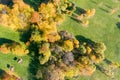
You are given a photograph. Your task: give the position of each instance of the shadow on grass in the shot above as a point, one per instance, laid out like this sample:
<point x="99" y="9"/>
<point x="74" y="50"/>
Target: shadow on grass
<point x="25" y="36"/>
<point x="79" y="10"/>
<point x="104" y="10"/>
<point x="108" y="6"/>
<point x="75" y="19"/>
<point x="77" y="13"/>
<point x="2" y="73"/>
<point x="118" y="25"/>
<point x="118" y="16"/>
<point x="93" y="2"/>
<point x="33" y="3"/>
<point x="34" y="65"/>
<point x="107" y="61"/>
<point x="3" y="40"/>
<point x="6" y="2"/>
<point x="101" y="69"/>
<point x="82" y="39"/>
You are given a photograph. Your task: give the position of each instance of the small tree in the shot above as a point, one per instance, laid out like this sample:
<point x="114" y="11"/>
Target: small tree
<point x="99" y="47"/>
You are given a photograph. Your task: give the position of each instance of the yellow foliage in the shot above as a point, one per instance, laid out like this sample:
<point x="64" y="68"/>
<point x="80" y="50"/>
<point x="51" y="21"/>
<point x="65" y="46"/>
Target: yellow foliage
<point x="68" y="45"/>
<point x="92" y="57"/>
<point x="35" y="38"/>
<point x="80" y="17"/>
<point x="53" y="38"/>
<point x="76" y="42"/>
<point x="1" y="6"/>
<point x="59" y="19"/>
<point x="17" y="17"/>
<point x="96" y="58"/>
<point x="47" y="10"/>
<point x="21" y="5"/>
<point x="89" y="13"/>
<point x="45" y="52"/>
<point x="4" y="19"/>
<point x="4" y="49"/>
<point x="14" y="48"/>
<point x="19" y="50"/>
<point x="85" y="22"/>
<point x="88" y="50"/>
<point x="46" y="55"/>
<point x="70" y="72"/>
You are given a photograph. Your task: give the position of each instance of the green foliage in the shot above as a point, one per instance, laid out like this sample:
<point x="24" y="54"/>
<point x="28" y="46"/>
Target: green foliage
<point x="63" y="57"/>
<point x="82" y="49"/>
<point x="35" y="36"/>
<point x="99" y="47"/>
<point x="45" y="53"/>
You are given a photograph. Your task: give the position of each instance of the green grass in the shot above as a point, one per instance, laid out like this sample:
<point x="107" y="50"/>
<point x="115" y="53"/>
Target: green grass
<point x="20" y="69"/>
<point x="102" y="28"/>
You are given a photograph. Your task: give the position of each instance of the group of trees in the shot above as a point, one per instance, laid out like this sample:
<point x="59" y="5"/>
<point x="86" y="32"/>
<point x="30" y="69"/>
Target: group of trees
<point x="60" y="53"/>
<point x="14" y="48"/>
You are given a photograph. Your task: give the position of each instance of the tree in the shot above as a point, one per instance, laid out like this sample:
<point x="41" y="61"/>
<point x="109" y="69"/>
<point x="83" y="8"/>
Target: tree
<point x="99" y="47"/>
<point x="45" y="53"/>
<point x="68" y="58"/>
<point x="68" y="45"/>
<point x="82" y="49"/>
<point x="36" y="36"/>
<point x="14" y="48"/>
<point x="53" y="73"/>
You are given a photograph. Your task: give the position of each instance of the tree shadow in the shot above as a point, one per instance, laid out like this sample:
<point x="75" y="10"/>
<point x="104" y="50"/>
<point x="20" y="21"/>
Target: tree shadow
<point x="93" y="2"/>
<point x="118" y="25"/>
<point x="2" y="73"/>
<point x="118" y="16"/>
<point x="82" y="39"/>
<point x="104" y="10"/>
<point x="35" y="3"/>
<point x="101" y="69"/>
<point x="75" y="19"/>
<point x="107" y="61"/>
<point x="24" y="36"/>
<point x="108" y="6"/>
<point x="3" y="40"/>
<point x="6" y="2"/>
<point x="34" y="65"/>
<point x="79" y="10"/>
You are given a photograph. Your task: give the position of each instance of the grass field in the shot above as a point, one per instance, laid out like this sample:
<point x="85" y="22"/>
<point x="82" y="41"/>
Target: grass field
<point x="103" y="27"/>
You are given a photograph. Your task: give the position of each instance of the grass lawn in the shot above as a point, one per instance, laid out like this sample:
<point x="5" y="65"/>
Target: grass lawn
<point x="103" y="27"/>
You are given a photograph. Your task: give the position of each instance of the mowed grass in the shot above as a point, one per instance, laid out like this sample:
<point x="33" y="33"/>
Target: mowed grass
<point x="21" y="69"/>
<point x="102" y="28"/>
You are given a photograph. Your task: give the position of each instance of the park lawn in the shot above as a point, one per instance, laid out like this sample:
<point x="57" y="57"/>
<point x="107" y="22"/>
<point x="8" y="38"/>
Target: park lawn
<point x="102" y="28"/>
<point x="21" y="69"/>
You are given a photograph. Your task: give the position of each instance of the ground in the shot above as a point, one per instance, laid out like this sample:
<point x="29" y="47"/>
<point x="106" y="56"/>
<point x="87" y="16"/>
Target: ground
<point x="103" y="27"/>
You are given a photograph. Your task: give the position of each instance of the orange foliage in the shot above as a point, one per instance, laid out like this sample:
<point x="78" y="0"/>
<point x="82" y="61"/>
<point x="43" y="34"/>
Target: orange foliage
<point x="88" y="50"/>
<point x="35" y="17"/>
